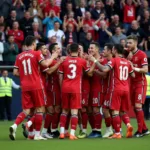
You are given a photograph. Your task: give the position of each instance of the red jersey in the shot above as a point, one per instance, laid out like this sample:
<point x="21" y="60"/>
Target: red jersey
<point x="18" y="36"/>
<point x="28" y="64"/>
<point x="48" y="8"/>
<point x="72" y="69"/>
<point x="96" y="80"/>
<point x="139" y="59"/>
<point x="53" y="80"/>
<point x="43" y="75"/>
<point x="129" y="13"/>
<point x="85" y="84"/>
<point x="120" y="74"/>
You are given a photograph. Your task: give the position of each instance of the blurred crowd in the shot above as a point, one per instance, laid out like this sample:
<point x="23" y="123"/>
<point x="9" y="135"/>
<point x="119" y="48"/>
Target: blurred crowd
<point x="67" y="21"/>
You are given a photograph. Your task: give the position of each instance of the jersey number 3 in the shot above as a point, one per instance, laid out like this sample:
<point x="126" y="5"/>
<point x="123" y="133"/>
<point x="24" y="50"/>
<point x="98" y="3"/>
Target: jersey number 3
<point x="27" y="66"/>
<point x="73" y="68"/>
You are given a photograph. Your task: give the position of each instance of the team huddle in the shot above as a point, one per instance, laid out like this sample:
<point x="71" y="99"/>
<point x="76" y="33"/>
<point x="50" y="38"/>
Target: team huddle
<point x="71" y="90"/>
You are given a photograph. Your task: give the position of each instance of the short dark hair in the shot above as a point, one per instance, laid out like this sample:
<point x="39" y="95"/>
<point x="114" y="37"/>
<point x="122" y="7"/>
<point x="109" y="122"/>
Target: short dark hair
<point x="119" y="48"/>
<point x="74" y="47"/>
<point x="39" y="46"/>
<point x="52" y="47"/>
<point x="96" y="44"/>
<point x="56" y="22"/>
<point x="109" y="46"/>
<point x="132" y="37"/>
<point x="126" y="53"/>
<point x="30" y="40"/>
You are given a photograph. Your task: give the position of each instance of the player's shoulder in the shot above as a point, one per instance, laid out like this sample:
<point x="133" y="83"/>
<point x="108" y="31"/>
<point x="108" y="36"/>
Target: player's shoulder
<point x="141" y="53"/>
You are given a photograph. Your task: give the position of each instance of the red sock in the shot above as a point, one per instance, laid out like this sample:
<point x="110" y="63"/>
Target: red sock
<point x="84" y="119"/>
<point x="55" y="120"/>
<point x="48" y="120"/>
<point x="108" y="121"/>
<point x="116" y="123"/>
<point x="38" y="121"/>
<point x="91" y="120"/>
<point x="20" y="118"/>
<point x="74" y="122"/>
<point x="32" y="119"/>
<point x="63" y="118"/>
<point x="67" y="122"/>
<point x="98" y="120"/>
<point x="125" y="118"/>
<point x="144" y="125"/>
<point x="31" y="128"/>
<point x="140" y="119"/>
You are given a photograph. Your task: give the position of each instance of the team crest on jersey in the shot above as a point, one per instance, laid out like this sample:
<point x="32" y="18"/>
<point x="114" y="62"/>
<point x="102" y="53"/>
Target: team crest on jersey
<point x="145" y="59"/>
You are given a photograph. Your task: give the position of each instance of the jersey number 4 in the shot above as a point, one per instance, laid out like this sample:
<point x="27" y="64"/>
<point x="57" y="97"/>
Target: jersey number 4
<point x="27" y="66"/>
<point x="73" y="68"/>
<point x="123" y="73"/>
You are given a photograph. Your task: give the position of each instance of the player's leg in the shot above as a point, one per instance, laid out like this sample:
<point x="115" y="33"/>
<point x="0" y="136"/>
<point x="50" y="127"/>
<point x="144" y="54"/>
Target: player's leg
<point x="48" y="121"/>
<point x="67" y="134"/>
<point x="115" y="105"/>
<point x="57" y="111"/>
<point x="139" y="100"/>
<point x="64" y="114"/>
<point x="26" y="105"/>
<point x="75" y="105"/>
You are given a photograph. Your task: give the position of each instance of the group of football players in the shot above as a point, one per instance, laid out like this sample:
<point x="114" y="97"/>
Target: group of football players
<point x="71" y="90"/>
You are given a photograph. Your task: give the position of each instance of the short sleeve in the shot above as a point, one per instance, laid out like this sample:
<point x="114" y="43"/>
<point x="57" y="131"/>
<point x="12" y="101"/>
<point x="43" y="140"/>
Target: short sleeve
<point x="61" y="70"/>
<point x="39" y="56"/>
<point x="16" y="66"/>
<point x="144" y="60"/>
<point x="111" y="63"/>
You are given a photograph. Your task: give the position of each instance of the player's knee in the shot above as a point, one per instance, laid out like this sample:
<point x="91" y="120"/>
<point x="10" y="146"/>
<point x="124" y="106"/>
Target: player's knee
<point x="74" y="111"/>
<point x="83" y="110"/>
<point x="121" y="113"/>
<point x="105" y="112"/>
<point x="57" y="109"/>
<point x="40" y="109"/>
<point x="96" y="109"/>
<point x="90" y="111"/>
<point x="65" y="111"/>
<point x="50" y="109"/>
<point x="115" y="112"/>
<point x="137" y="105"/>
<point x="27" y="111"/>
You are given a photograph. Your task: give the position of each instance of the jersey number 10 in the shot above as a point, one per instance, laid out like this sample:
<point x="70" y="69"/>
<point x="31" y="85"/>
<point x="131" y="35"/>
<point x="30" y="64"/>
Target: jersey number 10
<point x="123" y="72"/>
<point x="27" y="66"/>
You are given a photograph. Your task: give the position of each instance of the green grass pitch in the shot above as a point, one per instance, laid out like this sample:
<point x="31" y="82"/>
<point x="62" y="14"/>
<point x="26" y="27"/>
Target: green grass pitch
<point x="83" y="144"/>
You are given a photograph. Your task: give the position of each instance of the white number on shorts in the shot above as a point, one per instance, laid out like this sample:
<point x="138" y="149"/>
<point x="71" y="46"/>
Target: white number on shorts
<point x="27" y="66"/>
<point x="95" y="100"/>
<point x="139" y="96"/>
<point x="123" y="72"/>
<point x="73" y="71"/>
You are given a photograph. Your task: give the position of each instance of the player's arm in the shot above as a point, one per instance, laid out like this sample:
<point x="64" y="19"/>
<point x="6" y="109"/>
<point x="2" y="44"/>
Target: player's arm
<point x="48" y="62"/>
<point x="91" y="70"/>
<point x="16" y="72"/>
<point x="61" y="76"/>
<point x="102" y="74"/>
<point x="144" y="69"/>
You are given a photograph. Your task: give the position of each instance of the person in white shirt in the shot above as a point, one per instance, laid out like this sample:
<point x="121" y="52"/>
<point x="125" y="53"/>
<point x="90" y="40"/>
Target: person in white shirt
<point x="1" y="48"/>
<point x="6" y="85"/>
<point x="59" y="34"/>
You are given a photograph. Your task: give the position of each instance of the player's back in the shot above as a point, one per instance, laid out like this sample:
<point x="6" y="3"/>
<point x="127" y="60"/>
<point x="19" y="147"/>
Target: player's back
<point x="28" y="64"/>
<point x="120" y="75"/>
<point x="72" y="69"/>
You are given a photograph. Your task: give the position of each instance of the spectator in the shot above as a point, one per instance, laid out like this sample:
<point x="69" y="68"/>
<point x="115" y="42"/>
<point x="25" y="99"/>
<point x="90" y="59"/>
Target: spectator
<point x="83" y="32"/>
<point x="99" y="8"/>
<point x="70" y="20"/>
<point x="123" y="42"/>
<point x="116" y="38"/>
<point x="36" y="13"/>
<point x="70" y="35"/>
<point x="147" y="43"/>
<point x="1" y="48"/>
<point x="136" y="30"/>
<point x="2" y="19"/>
<point x="145" y="21"/>
<point x="69" y="4"/>
<point x="2" y="31"/>
<point x="11" y="19"/>
<point x="18" y="34"/>
<point x="86" y="42"/>
<point x="39" y="35"/>
<point x="43" y="4"/>
<point x="82" y="9"/>
<point x="49" y="21"/>
<point x="142" y="9"/>
<point x="115" y="23"/>
<point x="68" y="9"/>
<point x="10" y="50"/>
<point x="26" y="23"/>
<point x="5" y="6"/>
<point x="53" y="7"/>
<point x="58" y="33"/>
<point x="19" y="6"/>
<point x="6" y="95"/>
<point x="129" y="9"/>
<point x="104" y="34"/>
